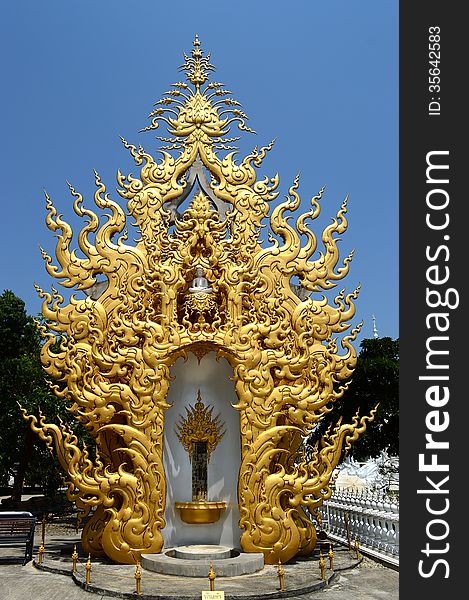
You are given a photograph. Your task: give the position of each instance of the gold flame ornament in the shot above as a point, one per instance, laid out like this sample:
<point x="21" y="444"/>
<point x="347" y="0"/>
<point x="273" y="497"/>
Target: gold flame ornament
<point x="200" y="426"/>
<point x="110" y="348"/>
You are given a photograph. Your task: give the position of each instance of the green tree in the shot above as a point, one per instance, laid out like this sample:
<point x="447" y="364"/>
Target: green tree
<point x="374" y="381"/>
<point x="22" y="381"/>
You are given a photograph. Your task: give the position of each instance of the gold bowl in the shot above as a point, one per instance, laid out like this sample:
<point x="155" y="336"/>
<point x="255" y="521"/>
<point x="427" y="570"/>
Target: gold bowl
<point x="199" y="513"/>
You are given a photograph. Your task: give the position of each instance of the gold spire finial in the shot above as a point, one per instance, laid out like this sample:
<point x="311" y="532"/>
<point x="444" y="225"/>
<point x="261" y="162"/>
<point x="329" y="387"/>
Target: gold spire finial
<point x="196" y="52"/>
<point x="200" y="426"/>
<point x="203" y="116"/>
<point x="197" y="66"/>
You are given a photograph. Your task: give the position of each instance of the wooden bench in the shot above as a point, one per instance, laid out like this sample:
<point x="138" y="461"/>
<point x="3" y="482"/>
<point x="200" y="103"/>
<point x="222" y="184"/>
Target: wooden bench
<point x="18" y="528"/>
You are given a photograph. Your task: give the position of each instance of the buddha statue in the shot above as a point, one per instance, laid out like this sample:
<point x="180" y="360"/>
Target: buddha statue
<point x="200" y="283"/>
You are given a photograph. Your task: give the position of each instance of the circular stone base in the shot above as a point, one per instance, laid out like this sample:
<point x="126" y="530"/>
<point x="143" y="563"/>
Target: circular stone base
<point x="236" y="563"/>
<point x="199" y="552"/>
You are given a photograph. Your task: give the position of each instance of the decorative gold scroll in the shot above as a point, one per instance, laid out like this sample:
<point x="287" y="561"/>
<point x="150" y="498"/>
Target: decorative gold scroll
<point x="110" y="352"/>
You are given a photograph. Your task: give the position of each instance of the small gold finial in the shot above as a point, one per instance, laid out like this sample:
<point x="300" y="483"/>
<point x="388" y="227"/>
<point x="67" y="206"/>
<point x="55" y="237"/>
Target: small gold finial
<point x="74" y="559"/>
<point x="281" y="575"/>
<point x="197" y="66"/>
<point x="211" y="577"/>
<point x="357" y="549"/>
<point x="41" y="551"/>
<point x="321" y="565"/>
<point x="196" y="52"/>
<point x="138" y="578"/>
<point x="331" y="557"/>
<point x="88" y="568"/>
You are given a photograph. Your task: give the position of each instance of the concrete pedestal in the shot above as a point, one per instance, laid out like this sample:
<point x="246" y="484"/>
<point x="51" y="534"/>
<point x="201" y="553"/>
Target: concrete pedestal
<point x="195" y="560"/>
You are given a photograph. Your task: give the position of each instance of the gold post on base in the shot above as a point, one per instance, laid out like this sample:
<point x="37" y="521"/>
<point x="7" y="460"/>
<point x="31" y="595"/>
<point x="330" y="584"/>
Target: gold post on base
<point x="138" y="578"/>
<point x="321" y="565"/>
<point x="211" y="576"/>
<point x="331" y="557"/>
<point x="88" y="568"/>
<point x="41" y="551"/>
<point x="42" y="547"/>
<point x="357" y="549"/>
<point x="281" y="576"/>
<point x="74" y="560"/>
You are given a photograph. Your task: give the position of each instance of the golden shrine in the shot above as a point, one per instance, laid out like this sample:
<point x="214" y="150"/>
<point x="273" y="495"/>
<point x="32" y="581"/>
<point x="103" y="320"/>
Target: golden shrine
<point x="197" y="281"/>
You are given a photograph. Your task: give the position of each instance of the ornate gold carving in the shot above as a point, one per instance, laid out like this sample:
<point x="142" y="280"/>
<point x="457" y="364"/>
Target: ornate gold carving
<point x="200" y="426"/>
<point x="110" y="352"/>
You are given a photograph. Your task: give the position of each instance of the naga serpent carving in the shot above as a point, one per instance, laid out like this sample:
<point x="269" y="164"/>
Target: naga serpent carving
<point x="110" y="351"/>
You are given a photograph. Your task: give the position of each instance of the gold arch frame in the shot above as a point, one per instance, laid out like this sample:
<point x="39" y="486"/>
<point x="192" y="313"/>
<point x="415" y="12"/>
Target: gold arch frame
<point x="110" y="352"/>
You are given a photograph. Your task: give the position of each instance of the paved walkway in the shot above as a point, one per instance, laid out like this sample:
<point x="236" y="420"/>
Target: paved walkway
<point x="364" y="580"/>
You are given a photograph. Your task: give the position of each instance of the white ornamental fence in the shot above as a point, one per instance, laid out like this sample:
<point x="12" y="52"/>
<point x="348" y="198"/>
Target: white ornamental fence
<point x="371" y="518"/>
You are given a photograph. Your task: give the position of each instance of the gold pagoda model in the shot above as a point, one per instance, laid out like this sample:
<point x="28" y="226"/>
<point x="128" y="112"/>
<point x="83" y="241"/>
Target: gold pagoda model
<point x="197" y="280"/>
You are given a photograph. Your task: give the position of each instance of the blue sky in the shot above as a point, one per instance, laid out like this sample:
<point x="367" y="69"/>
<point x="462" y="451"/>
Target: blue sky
<point x="320" y="77"/>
